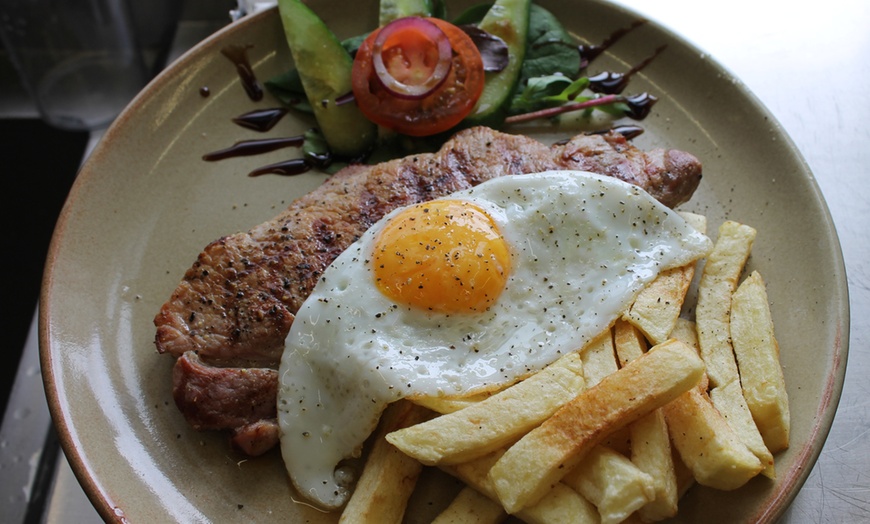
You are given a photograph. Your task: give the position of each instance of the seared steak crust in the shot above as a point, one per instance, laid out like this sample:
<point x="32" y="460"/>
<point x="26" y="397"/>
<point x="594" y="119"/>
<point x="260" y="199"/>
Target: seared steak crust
<point x="235" y="305"/>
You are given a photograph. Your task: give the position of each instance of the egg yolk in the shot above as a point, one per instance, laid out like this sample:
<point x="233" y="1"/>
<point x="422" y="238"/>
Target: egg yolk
<point x="446" y="256"/>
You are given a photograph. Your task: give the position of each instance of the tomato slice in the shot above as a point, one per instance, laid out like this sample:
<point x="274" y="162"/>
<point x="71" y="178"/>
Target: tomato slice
<point x="412" y="57"/>
<point x="411" y="98"/>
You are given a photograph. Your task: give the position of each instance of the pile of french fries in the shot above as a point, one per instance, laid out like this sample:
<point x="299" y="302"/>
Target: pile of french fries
<point x="615" y="432"/>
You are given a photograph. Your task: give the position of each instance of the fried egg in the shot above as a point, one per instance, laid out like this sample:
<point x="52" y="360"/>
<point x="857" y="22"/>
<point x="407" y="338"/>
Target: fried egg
<point x="461" y="294"/>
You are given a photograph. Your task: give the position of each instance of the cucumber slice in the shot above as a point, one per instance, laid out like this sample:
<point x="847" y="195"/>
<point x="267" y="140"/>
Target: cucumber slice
<point x="508" y="20"/>
<point x="324" y="67"/>
<point x="394" y="9"/>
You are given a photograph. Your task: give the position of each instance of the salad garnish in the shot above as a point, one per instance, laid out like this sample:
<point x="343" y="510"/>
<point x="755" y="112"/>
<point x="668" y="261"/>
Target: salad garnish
<point x="417" y="78"/>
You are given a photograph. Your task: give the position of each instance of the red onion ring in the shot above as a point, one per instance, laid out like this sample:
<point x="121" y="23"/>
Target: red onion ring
<point x="426" y="29"/>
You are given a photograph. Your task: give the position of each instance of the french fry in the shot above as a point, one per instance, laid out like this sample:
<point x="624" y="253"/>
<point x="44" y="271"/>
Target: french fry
<point x="712" y="314"/>
<point x="612" y="482"/>
<point x="559" y="504"/>
<point x="449" y="404"/>
<point x="650" y="446"/>
<point x="495" y="421"/>
<point x="698" y="222"/>
<point x="599" y="359"/>
<point x="528" y="469"/>
<point x="729" y="401"/>
<point x="707" y="444"/>
<point x="718" y="283"/>
<point x="470" y="507"/>
<point x="758" y="360"/>
<point x="651" y="453"/>
<point x="657" y="306"/>
<point x="628" y="341"/>
<point x="685" y="477"/>
<point x="684" y="331"/>
<point x="389" y="476"/>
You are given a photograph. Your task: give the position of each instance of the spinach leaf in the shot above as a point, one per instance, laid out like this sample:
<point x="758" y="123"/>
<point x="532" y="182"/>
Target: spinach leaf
<point x="550" y="49"/>
<point x="530" y="97"/>
<point x="548" y="91"/>
<point x="287" y="88"/>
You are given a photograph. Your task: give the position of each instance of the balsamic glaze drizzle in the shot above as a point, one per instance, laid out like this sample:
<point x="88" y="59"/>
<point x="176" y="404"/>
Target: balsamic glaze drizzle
<point x="261" y="120"/>
<point x="238" y="55"/>
<point x="612" y="83"/>
<point x="295" y="166"/>
<point x="589" y="52"/>
<point x="255" y="147"/>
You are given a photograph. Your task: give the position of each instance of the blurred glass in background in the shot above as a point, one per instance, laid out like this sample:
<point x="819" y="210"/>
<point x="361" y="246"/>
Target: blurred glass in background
<point x="82" y="61"/>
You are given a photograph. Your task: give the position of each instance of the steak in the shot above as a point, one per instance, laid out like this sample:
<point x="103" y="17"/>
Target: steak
<point x="228" y="317"/>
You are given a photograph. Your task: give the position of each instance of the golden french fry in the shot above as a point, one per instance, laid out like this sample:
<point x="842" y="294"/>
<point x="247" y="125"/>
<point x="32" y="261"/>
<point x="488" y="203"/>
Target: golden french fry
<point x="712" y="314"/>
<point x="698" y="222"/>
<point x="471" y="507"/>
<point x="628" y="341"/>
<point x="495" y="421"/>
<point x="651" y="453"/>
<point x="389" y="476"/>
<point x="713" y="317"/>
<point x="684" y="331"/>
<point x="449" y="404"/>
<point x="758" y="359"/>
<point x="650" y="445"/>
<point x="657" y="306"/>
<point x="612" y="482"/>
<point x="728" y="399"/>
<point x="537" y="461"/>
<point x="599" y="359"/>
<point x="685" y="477"/>
<point x="558" y="505"/>
<point x="707" y="444"/>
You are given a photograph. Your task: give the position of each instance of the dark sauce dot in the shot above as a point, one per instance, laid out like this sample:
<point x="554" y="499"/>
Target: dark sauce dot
<point x="639" y="106"/>
<point x="204" y="91"/>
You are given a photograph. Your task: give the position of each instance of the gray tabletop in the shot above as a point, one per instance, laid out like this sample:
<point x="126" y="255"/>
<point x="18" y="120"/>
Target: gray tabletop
<point x="810" y="65"/>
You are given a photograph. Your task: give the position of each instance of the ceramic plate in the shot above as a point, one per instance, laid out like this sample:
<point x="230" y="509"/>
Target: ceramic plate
<point x="145" y="204"/>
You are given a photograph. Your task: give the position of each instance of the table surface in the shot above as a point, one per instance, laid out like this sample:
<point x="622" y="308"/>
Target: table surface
<point x="810" y="67"/>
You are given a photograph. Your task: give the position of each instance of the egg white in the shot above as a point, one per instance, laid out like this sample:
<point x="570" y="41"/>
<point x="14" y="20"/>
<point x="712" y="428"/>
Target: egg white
<point x="582" y="246"/>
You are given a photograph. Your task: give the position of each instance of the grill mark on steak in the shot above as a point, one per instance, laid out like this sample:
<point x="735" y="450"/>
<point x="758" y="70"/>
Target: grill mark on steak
<point x="235" y="305"/>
